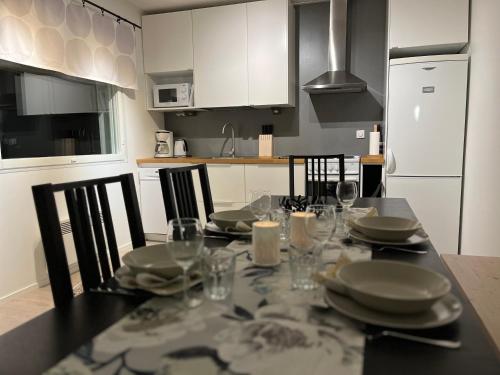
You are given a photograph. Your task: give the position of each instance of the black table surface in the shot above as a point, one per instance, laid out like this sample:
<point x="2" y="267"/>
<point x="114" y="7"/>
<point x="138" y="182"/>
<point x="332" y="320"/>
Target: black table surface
<point x="40" y="343"/>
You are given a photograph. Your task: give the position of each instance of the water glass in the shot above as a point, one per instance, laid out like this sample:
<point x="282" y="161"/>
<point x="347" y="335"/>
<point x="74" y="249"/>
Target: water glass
<point x="217" y="267"/>
<point x="304" y="263"/>
<point x="321" y="225"/>
<point x="347" y="192"/>
<point x="185" y="241"/>
<point x="282" y="216"/>
<point x="260" y="203"/>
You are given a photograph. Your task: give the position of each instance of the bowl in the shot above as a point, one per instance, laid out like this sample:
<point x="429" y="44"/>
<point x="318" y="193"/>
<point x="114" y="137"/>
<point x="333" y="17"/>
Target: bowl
<point x="156" y="259"/>
<point x="228" y="219"/>
<point x="386" y="228"/>
<point x="389" y="286"/>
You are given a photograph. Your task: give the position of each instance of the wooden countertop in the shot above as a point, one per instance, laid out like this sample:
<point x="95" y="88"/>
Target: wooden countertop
<point x="479" y="278"/>
<point x="222" y="160"/>
<point x="372" y="159"/>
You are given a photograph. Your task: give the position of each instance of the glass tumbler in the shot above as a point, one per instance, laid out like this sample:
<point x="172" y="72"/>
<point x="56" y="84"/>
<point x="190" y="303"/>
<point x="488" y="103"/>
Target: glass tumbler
<point x="217" y="267"/>
<point x="304" y="263"/>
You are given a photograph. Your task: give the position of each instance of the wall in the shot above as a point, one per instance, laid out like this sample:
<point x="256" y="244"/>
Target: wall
<point x="481" y="206"/>
<point x="318" y="124"/>
<point x="19" y="232"/>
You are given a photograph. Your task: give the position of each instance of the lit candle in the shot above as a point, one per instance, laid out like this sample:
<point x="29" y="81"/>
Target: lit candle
<point x="266" y="242"/>
<point x="298" y="234"/>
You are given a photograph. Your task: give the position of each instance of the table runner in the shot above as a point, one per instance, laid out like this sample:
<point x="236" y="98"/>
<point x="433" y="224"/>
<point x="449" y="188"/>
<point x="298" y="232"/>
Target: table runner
<point x="267" y="328"/>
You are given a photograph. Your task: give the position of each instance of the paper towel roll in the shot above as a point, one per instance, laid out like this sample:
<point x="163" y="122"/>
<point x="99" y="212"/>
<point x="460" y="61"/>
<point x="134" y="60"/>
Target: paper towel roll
<point x="374" y="143"/>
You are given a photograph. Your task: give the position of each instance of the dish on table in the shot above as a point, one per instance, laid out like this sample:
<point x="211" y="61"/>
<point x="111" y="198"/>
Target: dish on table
<point x="212" y="227"/>
<point x="416" y="239"/>
<point x="386" y="228"/>
<point x="156" y="260"/>
<point x="389" y="286"/>
<point x="235" y="220"/>
<point x="444" y="311"/>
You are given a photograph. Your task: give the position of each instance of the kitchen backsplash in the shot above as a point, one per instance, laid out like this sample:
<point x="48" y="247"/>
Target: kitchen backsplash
<point x="319" y="123"/>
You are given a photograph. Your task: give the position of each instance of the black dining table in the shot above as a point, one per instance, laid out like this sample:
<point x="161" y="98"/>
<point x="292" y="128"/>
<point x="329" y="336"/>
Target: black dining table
<point x="43" y="341"/>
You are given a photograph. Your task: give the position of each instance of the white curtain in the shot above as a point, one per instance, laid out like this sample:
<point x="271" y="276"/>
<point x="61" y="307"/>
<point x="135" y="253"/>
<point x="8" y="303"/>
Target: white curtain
<point x="64" y="36"/>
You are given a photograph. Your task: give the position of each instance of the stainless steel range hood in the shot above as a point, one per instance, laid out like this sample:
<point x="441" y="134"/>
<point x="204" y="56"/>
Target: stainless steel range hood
<point x="337" y="79"/>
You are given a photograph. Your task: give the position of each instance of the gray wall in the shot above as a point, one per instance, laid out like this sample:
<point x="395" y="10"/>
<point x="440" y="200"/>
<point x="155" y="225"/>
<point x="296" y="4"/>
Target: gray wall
<point x="324" y="123"/>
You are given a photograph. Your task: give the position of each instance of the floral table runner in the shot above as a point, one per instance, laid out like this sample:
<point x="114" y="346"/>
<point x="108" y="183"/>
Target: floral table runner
<point x="267" y="328"/>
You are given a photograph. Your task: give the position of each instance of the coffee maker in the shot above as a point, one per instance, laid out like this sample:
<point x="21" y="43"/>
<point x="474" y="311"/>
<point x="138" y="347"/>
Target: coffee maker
<point x="164" y="144"/>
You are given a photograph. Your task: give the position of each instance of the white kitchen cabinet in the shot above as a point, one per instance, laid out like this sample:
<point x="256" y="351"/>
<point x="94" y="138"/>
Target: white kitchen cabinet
<point x="271" y="53"/>
<point x="427" y="26"/>
<point x="168" y="42"/>
<point x="44" y="95"/>
<point x="220" y="56"/>
<point x="273" y="177"/>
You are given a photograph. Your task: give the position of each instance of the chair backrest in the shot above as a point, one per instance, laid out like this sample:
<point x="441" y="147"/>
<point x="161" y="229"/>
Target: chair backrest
<point x="315" y="173"/>
<point x="86" y="202"/>
<point x="179" y="196"/>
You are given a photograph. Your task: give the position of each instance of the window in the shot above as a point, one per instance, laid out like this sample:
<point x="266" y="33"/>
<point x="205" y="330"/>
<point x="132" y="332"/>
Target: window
<point x="48" y="119"/>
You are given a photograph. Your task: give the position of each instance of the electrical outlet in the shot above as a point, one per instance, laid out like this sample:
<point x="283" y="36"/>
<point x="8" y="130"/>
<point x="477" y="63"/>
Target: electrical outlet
<point x="360" y="134"/>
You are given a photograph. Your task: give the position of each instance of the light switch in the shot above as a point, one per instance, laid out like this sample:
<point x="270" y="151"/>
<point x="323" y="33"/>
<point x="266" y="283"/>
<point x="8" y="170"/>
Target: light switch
<point x="360" y="134"/>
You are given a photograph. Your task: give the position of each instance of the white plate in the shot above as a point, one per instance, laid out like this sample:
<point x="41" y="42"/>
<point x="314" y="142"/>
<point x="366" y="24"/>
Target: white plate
<point x="416" y="239"/>
<point x="214" y="228"/>
<point x="446" y="310"/>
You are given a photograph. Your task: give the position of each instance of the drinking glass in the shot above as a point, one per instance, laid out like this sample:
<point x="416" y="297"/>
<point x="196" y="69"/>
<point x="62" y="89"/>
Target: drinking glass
<point x="260" y="203"/>
<point x="347" y="192"/>
<point x="217" y="267"/>
<point x="321" y="225"/>
<point x="185" y="241"/>
<point x="282" y="216"/>
<point x="304" y="263"/>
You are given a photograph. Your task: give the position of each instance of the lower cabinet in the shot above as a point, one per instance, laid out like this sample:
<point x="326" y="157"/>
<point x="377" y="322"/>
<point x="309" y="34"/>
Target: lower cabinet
<point x="230" y="185"/>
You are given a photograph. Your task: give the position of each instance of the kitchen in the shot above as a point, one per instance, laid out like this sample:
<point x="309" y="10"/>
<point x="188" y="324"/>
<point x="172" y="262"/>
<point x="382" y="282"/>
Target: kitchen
<point x="227" y="85"/>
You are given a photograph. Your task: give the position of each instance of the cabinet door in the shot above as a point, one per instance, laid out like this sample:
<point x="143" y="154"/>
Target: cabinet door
<point x="273" y="178"/>
<point x="152" y="209"/>
<point x="271" y="60"/>
<point x="220" y="56"/>
<point x="168" y="42"/>
<point x="439" y="23"/>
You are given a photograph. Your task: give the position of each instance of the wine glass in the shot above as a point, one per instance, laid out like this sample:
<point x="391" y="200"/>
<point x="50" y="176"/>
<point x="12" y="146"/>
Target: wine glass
<point x="185" y="241"/>
<point x="260" y="203"/>
<point x="347" y="192"/>
<point x="320" y="225"/>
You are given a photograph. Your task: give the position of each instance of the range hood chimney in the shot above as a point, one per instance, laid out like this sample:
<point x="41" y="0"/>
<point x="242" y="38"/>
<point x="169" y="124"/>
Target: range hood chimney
<point x="336" y="79"/>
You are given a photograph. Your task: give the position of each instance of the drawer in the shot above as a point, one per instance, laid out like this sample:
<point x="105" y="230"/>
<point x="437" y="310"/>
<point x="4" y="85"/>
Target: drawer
<point x="274" y="178"/>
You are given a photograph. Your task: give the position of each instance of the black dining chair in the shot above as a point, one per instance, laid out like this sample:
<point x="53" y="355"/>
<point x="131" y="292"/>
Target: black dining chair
<point x="89" y="211"/>
<point x="315" y="173"/>
<point x="178" y="192"/>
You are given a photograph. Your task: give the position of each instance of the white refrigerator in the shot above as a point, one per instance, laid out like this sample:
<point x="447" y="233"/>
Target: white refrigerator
<point x="425" y="141"/>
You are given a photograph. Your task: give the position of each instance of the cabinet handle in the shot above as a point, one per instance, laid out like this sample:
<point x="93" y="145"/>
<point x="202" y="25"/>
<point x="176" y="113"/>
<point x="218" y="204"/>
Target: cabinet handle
<point x="429" y="68"/>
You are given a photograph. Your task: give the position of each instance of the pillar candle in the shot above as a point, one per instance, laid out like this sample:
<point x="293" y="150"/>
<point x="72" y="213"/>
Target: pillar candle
<point x="266" y="242"/>
<point x="298" y="235"/>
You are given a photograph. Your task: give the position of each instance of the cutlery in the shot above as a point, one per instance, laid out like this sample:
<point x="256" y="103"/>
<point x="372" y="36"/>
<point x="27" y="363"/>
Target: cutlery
<point x="414" y="251"/>
<point x="219" y="237"/>
<point x="117" y="291"/>
<point x="449" y="344"/>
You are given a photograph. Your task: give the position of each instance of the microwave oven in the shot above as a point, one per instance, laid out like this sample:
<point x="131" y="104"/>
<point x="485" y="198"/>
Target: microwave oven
<point x="173" y="95"/>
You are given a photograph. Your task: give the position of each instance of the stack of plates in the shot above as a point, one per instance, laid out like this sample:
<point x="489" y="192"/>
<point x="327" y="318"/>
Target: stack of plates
<point x="393" y="294"/>
<point x="233" y="222"/>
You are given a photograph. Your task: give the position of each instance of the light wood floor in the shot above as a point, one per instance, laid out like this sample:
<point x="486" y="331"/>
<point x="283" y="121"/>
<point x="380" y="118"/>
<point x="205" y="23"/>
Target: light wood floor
<point x="24" y="306"/>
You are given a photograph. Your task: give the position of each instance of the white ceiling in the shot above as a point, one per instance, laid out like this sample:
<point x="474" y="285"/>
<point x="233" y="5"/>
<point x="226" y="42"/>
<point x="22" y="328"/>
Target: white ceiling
<point x="155" y="6"/>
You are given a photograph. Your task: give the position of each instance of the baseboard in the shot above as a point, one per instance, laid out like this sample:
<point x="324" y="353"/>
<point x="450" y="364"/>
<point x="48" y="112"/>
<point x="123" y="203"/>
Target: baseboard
<point x="22" y="290"/>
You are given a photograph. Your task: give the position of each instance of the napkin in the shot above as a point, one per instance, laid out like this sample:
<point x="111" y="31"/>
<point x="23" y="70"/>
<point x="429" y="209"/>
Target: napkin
<point x="240" y="226"/>
<point x="357" y="213"/>
<point x="127" y="279"/>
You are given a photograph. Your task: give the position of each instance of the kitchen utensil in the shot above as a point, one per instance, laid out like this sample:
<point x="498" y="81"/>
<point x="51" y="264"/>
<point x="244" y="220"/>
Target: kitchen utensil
<point x="416" y="239"/>
<point x="444" y="311"/>
<point x="388" y="286"/>
<point x="386" y="228"/>
<point x="449" y="344"/>
<point x="180" y="147"/>
<point x="157" y="260"/>
<point x="406" y="250"/>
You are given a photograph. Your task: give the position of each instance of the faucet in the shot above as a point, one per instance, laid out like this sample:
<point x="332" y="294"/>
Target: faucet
<point x="231" y="153"/>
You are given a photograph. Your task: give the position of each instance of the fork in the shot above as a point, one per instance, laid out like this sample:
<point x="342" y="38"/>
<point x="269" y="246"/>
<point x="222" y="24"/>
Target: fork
<point x="449" y="344"/>
<point x="413" y="251"/>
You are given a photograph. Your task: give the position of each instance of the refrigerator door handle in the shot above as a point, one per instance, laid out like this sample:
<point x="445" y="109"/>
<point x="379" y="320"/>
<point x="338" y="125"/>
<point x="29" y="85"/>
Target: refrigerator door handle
<point x="391" y="162"/>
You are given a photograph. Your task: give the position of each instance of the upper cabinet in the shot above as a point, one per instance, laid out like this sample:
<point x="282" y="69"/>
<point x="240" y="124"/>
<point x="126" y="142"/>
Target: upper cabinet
<point x="220" y="56"/>
<point x="168" y="42"/>
<point x="427" y="26"/>
<point x="271" y="53"/>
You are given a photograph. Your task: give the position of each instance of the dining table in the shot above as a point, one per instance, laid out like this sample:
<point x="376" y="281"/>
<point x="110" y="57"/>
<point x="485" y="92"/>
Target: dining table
<point x="94" y="320"/>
